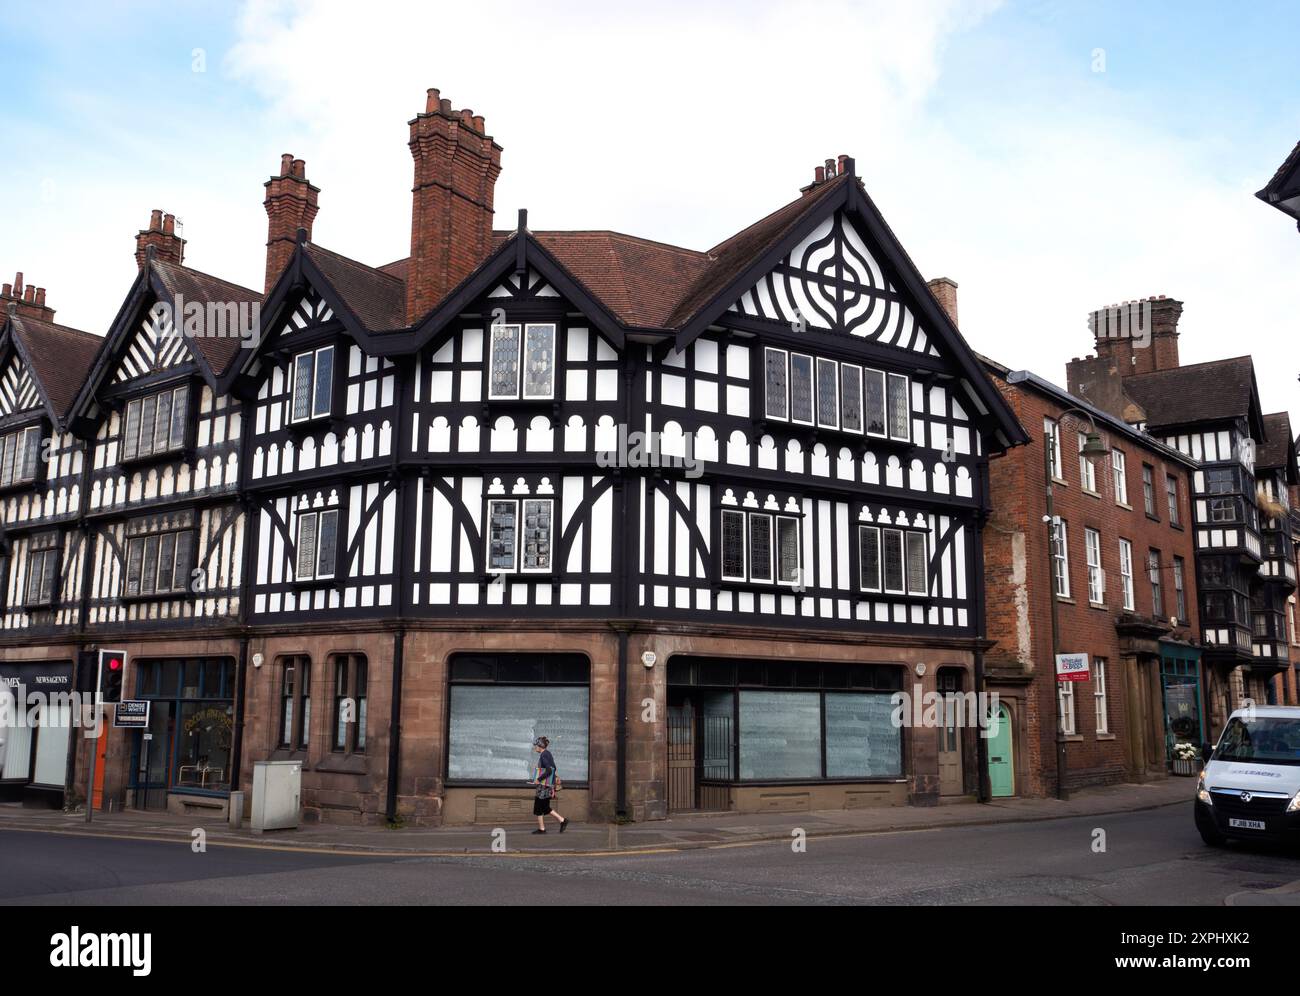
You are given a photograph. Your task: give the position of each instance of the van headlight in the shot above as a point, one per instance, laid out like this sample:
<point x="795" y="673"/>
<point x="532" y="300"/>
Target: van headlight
<point x="1294" y="805"/>
<point x="1203" y="794"/>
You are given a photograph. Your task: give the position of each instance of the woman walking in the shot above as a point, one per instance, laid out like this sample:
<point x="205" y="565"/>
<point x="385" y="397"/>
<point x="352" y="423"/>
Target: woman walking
<point x="546" y="783"/>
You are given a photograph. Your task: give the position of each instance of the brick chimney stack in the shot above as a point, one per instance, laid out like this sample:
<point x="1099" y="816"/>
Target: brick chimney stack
<point x="161" y="234"/>
<point x="944" y="290"/>
<point x="456" y="168"/>
<point x="29" y="300"/>
<point x="828" y="171"/>
<point x="1138" y="336"/>
<point x="291" y="203"/>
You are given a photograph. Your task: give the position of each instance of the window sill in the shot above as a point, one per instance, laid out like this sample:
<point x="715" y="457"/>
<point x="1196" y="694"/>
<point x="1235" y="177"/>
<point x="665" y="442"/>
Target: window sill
<point x="1107" y="736"/>
<point x="1124" y="505"/>
<point x="1101" y="606"/>
<point x="307" y="426"/>
<point x="1090" y="493"/>
<point x="311" y="584"/>
<point x="1153" y="518"/>
<point x="340" y="763"/>
<point x="159" y="596"/>
<point x="770" y="587"/>
<point x="812" y="434"/>
<point x="18" y="487"/>
<point x="1066" y="600"/>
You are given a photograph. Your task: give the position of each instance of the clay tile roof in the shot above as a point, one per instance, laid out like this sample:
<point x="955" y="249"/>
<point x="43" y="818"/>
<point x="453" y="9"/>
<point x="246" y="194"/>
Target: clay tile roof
<point x="1288" y="164"/>
<point x="1278" y="449"/>
<point x="219" y="351"/>
<point x="729" y="259"/>
<point x="1199" y="392"/>
<point x="61" y="358"/>
<point x="376" y="296"/>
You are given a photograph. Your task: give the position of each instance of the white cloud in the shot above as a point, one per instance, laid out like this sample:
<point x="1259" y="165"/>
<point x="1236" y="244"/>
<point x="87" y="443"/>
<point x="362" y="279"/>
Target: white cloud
<point x="1052" y="195"/>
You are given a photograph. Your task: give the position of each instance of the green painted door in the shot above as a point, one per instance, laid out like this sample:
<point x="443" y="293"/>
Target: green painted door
<point x="1002" y="779"/>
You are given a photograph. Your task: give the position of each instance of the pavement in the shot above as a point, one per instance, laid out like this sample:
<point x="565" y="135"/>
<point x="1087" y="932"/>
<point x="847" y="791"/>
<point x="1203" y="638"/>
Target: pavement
<point x="680" y="833"/>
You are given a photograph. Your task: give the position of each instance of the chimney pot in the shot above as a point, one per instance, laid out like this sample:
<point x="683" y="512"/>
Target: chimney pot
<point x="431" y="100"/>
<point x="169" y="224"/>
<point x="479" y="124"/>
<point x="830" y="169"/>
<point x="18" y="284"/>
<point x="29" y="294"/>
<point x="843" y="163"/>
<point x="444" y="106"/>
<point x="40" y="297"/>
<point x="155" y="220"/>
<point x="8" y="291"/>
<point x="819" y="174"/>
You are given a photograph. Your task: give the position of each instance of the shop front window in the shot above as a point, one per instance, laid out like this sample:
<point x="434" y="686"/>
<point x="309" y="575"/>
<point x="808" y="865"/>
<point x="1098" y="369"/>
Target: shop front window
<point x="191" y="727"/>
<point x="501" y="703"/>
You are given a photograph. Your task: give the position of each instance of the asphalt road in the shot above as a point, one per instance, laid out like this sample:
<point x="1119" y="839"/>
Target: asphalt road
<point x="1150" y="858"/>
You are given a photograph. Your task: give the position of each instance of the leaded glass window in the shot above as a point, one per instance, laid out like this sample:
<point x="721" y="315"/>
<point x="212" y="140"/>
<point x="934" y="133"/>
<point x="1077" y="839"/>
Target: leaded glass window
<point x="19" y="454"/>
<point x="313" y="384"/>
<point x="307" y="524"/>
<point x="503" y="375"/>
<point x="776" y="384"/>
<point x="900" y="408"/>
<point x="502" y="520"/>
<point x="163" y="422"/>
<point x="733" y="545"/>
<point x="850" y="397"/>
<point x="327" y="543"/>
<point x="132" y="430"/>
<point x="760" y="547"/>
<point x="317" y="545"/>
<point x="917" y="566"/>
<point x="539" y="362"/>
<point x="149" y="572"/>
<point x="828" y="394"/>
<point x="536" y="552"/>
<point x="873" y="401"/>
<point x="892" y="540"/>
<point x="302" y="380"/>
<point x="801" y="388"/>
<point x="42" y="568"/>
<point x="869" y="558"/>
<point x="787" y="550"/>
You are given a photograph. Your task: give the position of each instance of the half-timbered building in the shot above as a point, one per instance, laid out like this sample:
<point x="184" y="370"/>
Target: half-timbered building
<point x="694" y="516"/>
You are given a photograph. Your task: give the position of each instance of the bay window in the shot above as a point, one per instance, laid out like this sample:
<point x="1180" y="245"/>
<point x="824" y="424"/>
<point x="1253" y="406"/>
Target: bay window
<point x="521" y="362"/>
<point x="20" y="454"/>
<point x="155" y="424"/>
<point x="515" y="546"/>
<point x="159" y="563"/>
<point x="815" y="391"/>
<point x="313" y="384"/>
<point x="758" y="546"/>
<point x="317" y="545"/>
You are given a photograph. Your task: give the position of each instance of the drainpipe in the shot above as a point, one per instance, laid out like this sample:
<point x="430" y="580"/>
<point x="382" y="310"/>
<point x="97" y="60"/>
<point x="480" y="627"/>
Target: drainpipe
<point x="395" y="724"/>
<point x="620" y="731"/>
<point x="241" y="694"/>
<point x="983" y="790"/>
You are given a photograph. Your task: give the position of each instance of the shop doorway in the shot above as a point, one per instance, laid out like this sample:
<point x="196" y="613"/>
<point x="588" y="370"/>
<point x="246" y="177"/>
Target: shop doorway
<point x="699" y="754"/>
<point x="951" y="780"/>
<point x="1002" y="768"/>
<point x="154" y="752"/>
<point x="1180" y="686"/>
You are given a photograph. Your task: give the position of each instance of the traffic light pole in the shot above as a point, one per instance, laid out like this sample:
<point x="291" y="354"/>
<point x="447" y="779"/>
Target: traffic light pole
<point x="94" y="745"/>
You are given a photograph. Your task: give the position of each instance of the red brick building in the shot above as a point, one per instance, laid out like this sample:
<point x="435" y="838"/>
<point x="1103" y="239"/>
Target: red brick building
<point x="1122" y="577"/>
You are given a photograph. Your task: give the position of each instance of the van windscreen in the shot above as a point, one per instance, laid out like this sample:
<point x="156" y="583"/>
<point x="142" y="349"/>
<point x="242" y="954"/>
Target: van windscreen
<point x="1272" y="739"/>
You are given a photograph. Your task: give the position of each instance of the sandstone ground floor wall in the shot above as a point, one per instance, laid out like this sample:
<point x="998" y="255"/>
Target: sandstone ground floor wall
<point x="345" y="779"/>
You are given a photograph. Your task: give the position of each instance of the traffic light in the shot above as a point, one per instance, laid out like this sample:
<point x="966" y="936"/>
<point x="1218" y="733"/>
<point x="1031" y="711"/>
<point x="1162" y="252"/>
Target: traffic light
<point x="87" y="672"/>
<point x="112" y="667"/>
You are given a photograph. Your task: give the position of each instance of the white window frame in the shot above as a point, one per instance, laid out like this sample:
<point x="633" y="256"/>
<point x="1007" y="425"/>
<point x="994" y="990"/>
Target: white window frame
<point x="1096" y="576"/>
<point x="1119" y="471"/>
<point x="518" y="506"/>
<point x="181" y="394"/>
<point x="888" y="535"/>
<point x="521" y="534"/>
<point x="916" y="534"/>
<point x="854" y="371"/>
<point x="1179" y="571"/>
<point x="523" y="356"/>
<point x="1099" y="695"/>
<point x="1065" y="694"/>
<point x="1087" y="472"/>
<point x="1061" y="556"/>
<point x="792" y="522"/>
<point x="768" y="352"/>
<point x="818" y="364"/>
<point x="744" y="546"/>
<point x="314" y="410"/>
<point x="13" y="455"/>
<point x="1126" y="573"/>
<point x="317" y="515"/>
<point x="812" y="387"/>
<point x="880" y="562"/>
<point x="1052" y="432"/>
<point x="1173" y="500"/>
<point x="158" y="538"/>
<point x="890" y="378"/>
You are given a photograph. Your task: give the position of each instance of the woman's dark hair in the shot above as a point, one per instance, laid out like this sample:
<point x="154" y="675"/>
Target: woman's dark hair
<point x="542" y="742"/>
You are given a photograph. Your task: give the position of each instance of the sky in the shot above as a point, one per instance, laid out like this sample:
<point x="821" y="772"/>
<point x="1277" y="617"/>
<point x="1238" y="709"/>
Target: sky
<point x="1050" y="157"/>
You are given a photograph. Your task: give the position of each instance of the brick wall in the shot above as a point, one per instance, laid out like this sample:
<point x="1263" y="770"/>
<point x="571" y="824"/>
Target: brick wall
<point x="1020" y="592"/>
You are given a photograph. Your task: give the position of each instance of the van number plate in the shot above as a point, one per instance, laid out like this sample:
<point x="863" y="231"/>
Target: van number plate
<point x="1247" y="824"/>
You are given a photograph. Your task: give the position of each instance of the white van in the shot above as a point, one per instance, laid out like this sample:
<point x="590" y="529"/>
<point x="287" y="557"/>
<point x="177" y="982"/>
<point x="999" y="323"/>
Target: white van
<point x="1250" y="786"/>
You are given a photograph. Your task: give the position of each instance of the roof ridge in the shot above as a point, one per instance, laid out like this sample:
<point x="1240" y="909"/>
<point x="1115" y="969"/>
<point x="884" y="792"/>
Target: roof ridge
<point x="60" y="327"/>
<point x="377" y="271"/>
<point x="208" y="276"/>
<point x="1190" y="366"/>
<point x="806" y="200"/>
